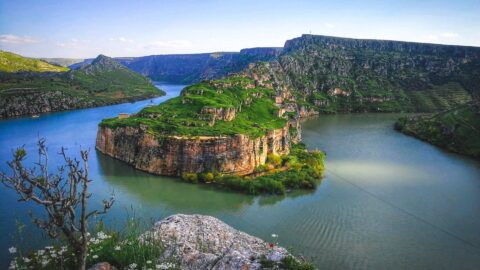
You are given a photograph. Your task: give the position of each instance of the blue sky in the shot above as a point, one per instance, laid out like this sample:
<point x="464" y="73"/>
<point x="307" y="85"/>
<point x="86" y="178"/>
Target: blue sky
<point x="71" y="28"/>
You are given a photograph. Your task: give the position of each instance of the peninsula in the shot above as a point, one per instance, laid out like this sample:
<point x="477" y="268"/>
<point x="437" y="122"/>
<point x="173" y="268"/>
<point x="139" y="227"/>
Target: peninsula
<point x="31" y="86"/>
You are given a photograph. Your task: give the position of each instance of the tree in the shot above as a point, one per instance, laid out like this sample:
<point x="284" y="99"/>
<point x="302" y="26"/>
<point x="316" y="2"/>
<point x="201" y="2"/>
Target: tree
<point x="63" y="196"/>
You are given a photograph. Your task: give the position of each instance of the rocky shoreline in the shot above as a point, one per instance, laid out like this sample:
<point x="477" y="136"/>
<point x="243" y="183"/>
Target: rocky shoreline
<point x="12" y="106"/>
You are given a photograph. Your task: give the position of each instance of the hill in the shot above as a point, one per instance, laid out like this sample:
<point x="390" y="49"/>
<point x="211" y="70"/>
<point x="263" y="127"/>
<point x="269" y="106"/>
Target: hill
<point x="10" y="62"/>
<point x="331" y="74"/>
<point x="102" y="82"/>
<point x="63" y="62"/>
<point x="191" y="68"/>
<point x="457" y="130"/>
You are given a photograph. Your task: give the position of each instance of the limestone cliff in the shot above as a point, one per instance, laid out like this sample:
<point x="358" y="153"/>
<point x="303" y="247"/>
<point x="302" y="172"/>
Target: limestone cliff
<point x="174" y="155"/>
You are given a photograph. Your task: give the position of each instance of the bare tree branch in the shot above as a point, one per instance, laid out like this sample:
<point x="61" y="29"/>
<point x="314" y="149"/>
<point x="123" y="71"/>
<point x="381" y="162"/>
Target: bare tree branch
<point x="63" y="195"/>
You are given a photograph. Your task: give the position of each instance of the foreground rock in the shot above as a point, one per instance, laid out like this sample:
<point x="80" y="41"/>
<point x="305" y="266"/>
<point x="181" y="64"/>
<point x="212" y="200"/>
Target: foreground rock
<point x="204" y="242"/>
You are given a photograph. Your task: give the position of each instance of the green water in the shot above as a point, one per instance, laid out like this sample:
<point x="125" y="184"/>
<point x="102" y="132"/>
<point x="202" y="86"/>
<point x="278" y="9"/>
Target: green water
<point x="388" y="201"/>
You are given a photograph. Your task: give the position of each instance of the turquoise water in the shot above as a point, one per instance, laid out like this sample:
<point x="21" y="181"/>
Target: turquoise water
<point x="388" y="201"/>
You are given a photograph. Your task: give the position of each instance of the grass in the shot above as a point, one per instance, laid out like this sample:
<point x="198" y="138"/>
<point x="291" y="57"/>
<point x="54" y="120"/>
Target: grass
<point x="255" y="112"/>
<point x="10" y="62"/>
<point x="129" y="248"/>
<point x="457" y="130"/>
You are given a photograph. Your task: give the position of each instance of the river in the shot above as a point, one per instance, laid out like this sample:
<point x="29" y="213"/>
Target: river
<point x="388" y="201"/>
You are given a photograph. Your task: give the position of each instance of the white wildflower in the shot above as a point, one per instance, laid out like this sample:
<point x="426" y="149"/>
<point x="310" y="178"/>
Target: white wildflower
<point x="149" y="262"/>
<point x="12" y="250"/>
<point x="45" y="262"/>
<point x="117" y="248"/>
<point x="40" y="252"/>
<point x="49" y="247"/>
<point x="53" y="255"/>
<point x="132" y="266"/>
<point x="274" y="235"/>
<point x="27" y="260"/>
<point x="165" y="266"/>
<point x="95" y="256"/>
<point x="102" y="235"/>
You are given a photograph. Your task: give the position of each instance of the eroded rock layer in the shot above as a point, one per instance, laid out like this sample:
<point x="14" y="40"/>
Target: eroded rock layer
<point x="174" y="155"/>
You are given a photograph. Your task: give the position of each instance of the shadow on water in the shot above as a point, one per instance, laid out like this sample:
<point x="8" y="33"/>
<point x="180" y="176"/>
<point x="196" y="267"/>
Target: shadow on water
<point x="173" y="193"/>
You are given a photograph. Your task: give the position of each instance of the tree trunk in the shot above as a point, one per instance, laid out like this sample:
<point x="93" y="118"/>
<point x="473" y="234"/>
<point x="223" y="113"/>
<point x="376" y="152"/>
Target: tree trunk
<point x="82" y="260"/>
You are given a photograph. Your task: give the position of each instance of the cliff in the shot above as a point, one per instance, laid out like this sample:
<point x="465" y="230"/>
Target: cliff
<point x="175" y="155"/>
<point x="102" y="82"/>
<point x="228" y="126"/>
<point x="331" y="74"/>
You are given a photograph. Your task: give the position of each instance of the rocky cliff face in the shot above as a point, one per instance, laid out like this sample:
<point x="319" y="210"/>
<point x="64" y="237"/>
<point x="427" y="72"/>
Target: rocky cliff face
<point x="204" y="242"/>
<point x="37" y="102"/>
<point x="333" y="74"/>
<point x="29" y="102"/>
<point x="174" y="155"/>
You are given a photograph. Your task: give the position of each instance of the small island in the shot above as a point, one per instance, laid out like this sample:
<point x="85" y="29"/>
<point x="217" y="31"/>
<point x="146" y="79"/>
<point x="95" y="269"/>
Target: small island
<point x="242" y="132"/>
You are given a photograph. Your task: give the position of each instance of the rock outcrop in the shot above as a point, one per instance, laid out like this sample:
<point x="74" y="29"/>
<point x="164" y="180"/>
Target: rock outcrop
<point x="29" y="102"/>
<point x="204" y="242"/>
<point x="174" y="155"/>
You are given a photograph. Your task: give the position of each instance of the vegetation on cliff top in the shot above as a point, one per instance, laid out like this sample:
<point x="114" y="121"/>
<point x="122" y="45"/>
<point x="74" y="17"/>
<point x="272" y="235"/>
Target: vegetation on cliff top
<point x="234" y="105"/>
<point x="301" y="169"/>
<point x="457" y="130"/>
<point x="10" y="62"/>
<point x="104" y="81"/>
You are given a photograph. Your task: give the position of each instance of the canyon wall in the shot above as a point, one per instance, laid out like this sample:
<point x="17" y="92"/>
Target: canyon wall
<point x="174" y="155"/>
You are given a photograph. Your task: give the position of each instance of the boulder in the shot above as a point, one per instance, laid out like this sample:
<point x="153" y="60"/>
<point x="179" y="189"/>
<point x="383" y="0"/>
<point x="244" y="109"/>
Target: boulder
<point x="205" y="242"/>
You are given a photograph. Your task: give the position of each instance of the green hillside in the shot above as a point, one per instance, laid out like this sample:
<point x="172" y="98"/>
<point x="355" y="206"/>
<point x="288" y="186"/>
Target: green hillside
<point x="10" y="62"/>
<point x="102" y="82"/>
<point x="331" y="74"/>
<point x="191" y="113"/>
<point x="457" y="130"/>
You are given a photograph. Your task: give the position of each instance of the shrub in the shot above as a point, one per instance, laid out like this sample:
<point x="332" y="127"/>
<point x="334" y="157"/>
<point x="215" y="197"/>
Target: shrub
<point x="190" y="177"/>
<point x="274" y="159"/>
<point x="209" y="177"/>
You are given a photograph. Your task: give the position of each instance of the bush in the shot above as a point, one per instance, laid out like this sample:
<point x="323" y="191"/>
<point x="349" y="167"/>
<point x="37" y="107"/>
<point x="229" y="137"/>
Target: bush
<point x="274" y="159"/>
<point x="209" y="177"/>
<point x="304" y="171"/>
<point x="190" y="177"/>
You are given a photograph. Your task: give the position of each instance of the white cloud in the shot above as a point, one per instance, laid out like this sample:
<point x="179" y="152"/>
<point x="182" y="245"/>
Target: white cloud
<point x="74" y="43"/>
<point x="12" y="39"/>
<point x="169" y="44"/>
<point x="449" y="35"/>
<point x="329" y="25"/>
<point x="121" y="39"/>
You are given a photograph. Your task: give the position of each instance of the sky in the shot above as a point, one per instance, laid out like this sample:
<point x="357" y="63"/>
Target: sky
<point x="86" y="28"/>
